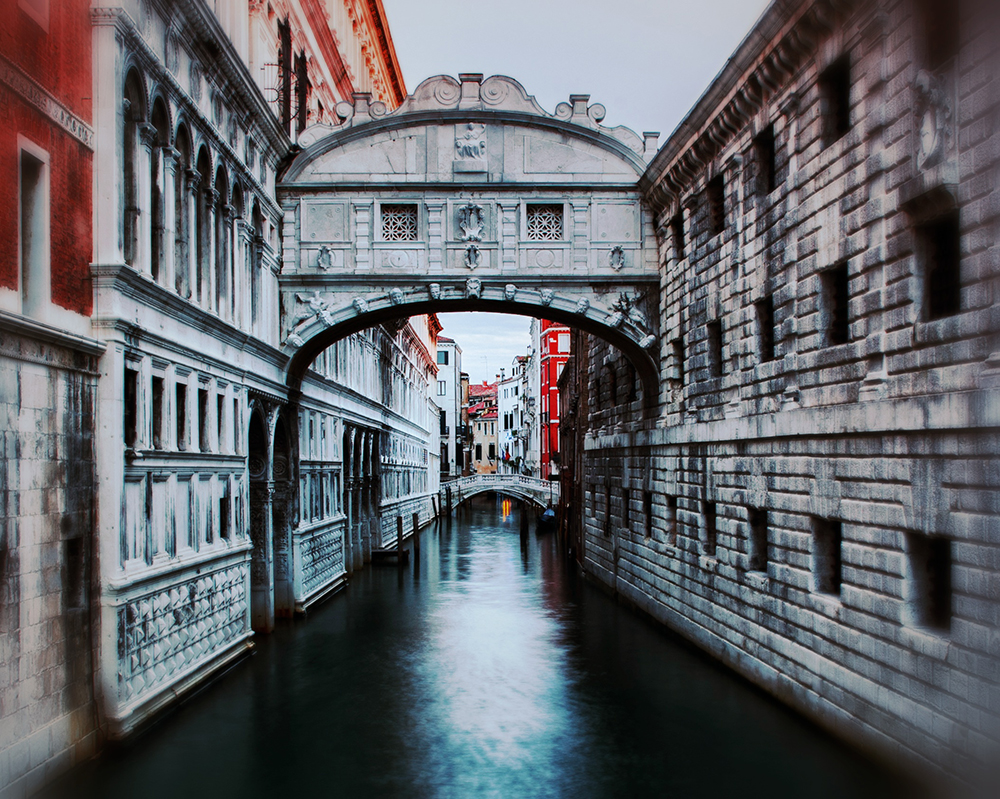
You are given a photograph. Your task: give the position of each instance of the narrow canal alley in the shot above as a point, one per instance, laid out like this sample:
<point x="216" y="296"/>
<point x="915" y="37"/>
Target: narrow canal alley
<point x="490" y="670"/>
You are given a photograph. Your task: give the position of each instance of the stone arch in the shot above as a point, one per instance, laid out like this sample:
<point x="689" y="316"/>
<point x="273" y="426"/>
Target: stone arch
<point x="133" y="127"/>
<point x="507" y="491"/>
<point x="204" y="204"/>
<point x="160" y="121"/>
<point x="326" y="324"/>
<point x="222" y="247"/>
<point x="499" y="206"/>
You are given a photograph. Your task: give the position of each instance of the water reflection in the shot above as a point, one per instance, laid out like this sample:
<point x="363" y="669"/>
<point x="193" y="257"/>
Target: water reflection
<point x="494" y="674"/>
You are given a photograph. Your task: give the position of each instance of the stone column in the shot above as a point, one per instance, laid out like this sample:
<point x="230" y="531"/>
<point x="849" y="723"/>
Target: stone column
<point x="208" y="291"/>
<point x="226" y="300"/>
<point x="167" y="267"/>
<point x="435" y="234"/>
<point x="192" y="266"/>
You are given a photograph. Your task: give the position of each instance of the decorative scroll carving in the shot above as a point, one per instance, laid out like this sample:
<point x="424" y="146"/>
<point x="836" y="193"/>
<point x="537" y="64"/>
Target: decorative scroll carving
<point x="325" y="259"/>
<point x="647" y="342"/>
<point x="164" y="633"/>
<point x="471" y="221"/>
<point x="616" y="258"/>
<point x="473" y="256"/>
<point x="473" y="288"/>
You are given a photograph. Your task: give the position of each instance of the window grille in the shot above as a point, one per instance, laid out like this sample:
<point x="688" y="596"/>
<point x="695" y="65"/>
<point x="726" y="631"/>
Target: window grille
<point x="545" y="222"/>
<point x="399" y="222"/>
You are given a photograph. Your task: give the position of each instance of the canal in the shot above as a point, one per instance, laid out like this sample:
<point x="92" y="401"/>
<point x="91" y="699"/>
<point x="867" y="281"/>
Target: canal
<point x="490" y="671"/>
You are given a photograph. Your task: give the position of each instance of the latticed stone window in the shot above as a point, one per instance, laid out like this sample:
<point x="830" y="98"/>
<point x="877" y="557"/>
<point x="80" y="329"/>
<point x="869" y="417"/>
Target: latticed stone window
<point x="545" y="222"/>
<point x="399" y="222"/>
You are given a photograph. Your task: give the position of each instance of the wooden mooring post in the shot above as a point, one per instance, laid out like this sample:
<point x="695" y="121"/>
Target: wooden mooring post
<point x="416" y="538"/>
<point x="399" y="539"/>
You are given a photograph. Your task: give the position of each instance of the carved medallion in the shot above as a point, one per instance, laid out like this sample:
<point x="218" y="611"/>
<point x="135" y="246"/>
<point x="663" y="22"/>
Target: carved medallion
<point x="616" y="258"/>
<point x="473" y="256"/>
<point x="934" y="119"/>
<point x="471" y="221"/>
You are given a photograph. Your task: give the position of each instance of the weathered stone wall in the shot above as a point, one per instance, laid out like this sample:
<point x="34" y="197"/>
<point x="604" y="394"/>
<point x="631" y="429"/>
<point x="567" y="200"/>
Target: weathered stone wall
<point x="818" y="503"/>
<point x="47" y="391"/>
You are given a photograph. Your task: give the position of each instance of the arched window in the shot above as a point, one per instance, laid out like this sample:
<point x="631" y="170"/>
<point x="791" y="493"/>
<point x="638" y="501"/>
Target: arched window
<point x="182" y="215"/>
<point x="161" y="136"/>
<point x="256" y="278"/>
<point x="223" y="303"/>
<point x="133" y="113"/>
<point x="202" y="230"/>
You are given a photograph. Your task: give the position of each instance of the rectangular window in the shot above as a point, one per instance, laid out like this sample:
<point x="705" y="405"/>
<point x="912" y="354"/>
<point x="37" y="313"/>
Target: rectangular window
<point x="647" y="512"/>
<point x="35" y="291"/>
<point x="180" y="408"/>
<point x="677" y="235"/>
<point x="479" y="452"/>
<point x="765" y="327"/>
<point x="930" y="581"/>
<point x="564" y="342"/>
<point x="711" y="534"/>
<point x="939" y="251"/>
<point x="836" y="294"/>
<point x="442" y="388"/>
<point x="158" y="429"/>
<point x="443" y="357"/>
<point x="493" y="452"/>
<point x="715" y="193"/>
<point x="941" y="33"/>
<point x="607" y="510"/>
<point x="443" y="421"/>
<point x="757" y="542"/>
<point x="677" y="350"/>
<point x="714" y="338"/>
<point x="220" y="428"/>
<point x="237" y="426"/>
<point x="130" y="420"/>
<point x="545" y="222"/>
<point x="203" y="419"/>
<point x="835" y="99"/>
<point x="399" y="223"/>
<point x="626" y="508"/>
<point x="671" y="509"/>
<point x="827" y="538"/>
<point x="763" y="148"/>
<point x="224" y="511"/>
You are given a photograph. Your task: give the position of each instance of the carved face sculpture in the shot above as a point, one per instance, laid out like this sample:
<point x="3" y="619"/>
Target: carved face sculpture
<point x="396" y="296"/>
<point x="360" y="305"/>
<point x="547" y="296"/>
<point x="509" y="291"/>
<point x="582" y="305"/>
<point x="434" y="289"/>
<point x="473" y="288"/>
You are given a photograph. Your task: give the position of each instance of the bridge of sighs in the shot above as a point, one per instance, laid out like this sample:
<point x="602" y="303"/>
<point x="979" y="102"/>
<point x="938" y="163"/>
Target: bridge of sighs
<point x="469" y="196"/>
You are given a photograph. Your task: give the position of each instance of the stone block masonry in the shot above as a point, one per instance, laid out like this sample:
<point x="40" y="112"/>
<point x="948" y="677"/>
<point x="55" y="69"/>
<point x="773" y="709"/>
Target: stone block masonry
<point x="822" y="483"/>
<point x="47" y="489"/>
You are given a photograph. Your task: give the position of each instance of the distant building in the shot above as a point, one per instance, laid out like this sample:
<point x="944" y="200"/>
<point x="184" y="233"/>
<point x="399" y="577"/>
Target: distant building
<point x="511" y="428"/>
<point x="554" y="348"/>
<point x="483" y="422"/>
<point x="448" y="398"/>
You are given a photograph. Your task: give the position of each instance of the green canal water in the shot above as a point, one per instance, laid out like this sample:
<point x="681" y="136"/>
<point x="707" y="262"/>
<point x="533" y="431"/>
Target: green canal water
<point x="491" y="670"/>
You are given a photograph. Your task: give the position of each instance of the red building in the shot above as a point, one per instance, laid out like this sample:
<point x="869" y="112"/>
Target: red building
<point x="46" y="152"/>
<point x="553" y="346"/>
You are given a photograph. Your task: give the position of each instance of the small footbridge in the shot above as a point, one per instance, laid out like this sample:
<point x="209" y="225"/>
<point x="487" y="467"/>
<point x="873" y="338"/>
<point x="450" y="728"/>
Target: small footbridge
<point x="532" y="489"/>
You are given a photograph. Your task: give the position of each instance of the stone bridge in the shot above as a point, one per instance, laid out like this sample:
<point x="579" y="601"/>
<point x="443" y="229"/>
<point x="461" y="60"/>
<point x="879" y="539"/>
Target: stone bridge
<point x="542" y="493"/>
<point x="469" y="196"/>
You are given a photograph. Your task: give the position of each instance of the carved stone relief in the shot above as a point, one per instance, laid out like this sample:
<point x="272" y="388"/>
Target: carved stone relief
<point x="471" y="221"/>
<point x="934" y="116"/>
<point x="473" y="288"/>
<point x="473" y="256"/>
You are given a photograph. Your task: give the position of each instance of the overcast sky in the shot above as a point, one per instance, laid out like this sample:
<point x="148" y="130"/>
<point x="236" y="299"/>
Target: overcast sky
<point x="646" y="61"/>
